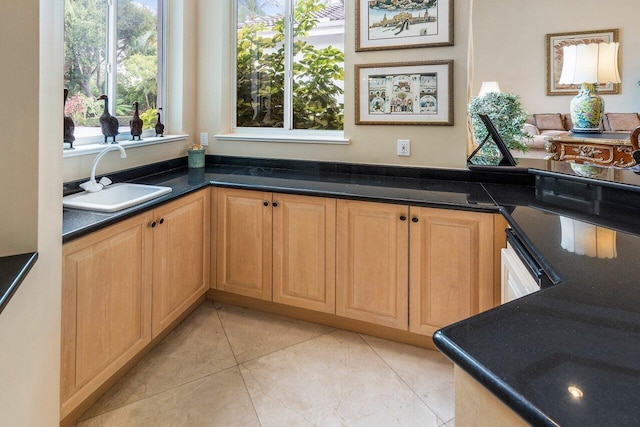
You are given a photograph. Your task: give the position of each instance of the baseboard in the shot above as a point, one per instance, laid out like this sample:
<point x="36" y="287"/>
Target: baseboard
<point x="326" y="319"/>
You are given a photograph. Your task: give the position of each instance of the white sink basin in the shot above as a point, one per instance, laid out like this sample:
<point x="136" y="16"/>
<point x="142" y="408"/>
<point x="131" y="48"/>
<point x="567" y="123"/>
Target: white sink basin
<point x="114" y="197"/>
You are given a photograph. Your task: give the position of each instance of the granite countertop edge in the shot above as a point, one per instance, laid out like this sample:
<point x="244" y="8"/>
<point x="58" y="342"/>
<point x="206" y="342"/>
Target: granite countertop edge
<point x="13" y="270"/>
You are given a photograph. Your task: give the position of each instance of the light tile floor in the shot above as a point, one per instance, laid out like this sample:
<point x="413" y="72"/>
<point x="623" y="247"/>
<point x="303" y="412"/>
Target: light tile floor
<point x="230" y="366"/>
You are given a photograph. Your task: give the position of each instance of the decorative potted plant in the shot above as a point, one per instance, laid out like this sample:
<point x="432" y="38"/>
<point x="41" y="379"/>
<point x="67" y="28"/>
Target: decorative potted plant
<point x="196" y="156"/>
<point x="506" y="113"/>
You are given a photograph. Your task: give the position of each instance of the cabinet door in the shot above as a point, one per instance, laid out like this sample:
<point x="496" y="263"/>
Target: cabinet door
<point x="180" y="257"/>
<point x="244" y="242"/>
<point x="106" y="310"/>
<point x="372" y="263"/>
<point x="451" y="275"/>
<point x="304" y="231"/>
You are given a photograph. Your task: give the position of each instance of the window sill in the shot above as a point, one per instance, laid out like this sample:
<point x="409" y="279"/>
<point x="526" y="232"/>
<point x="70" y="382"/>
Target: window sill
<point x="83" y="150"/>
<point x="300" y="139"/>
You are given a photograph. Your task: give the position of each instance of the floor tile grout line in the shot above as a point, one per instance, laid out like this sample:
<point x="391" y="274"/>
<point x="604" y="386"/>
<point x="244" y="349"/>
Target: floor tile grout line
<point x="448" y="421"/>
<point x="400" y="377"/>
<point x="177" y="385"/>
<point x="218" y="307"/>
<point x="246" y="388"/>
<point x="332" y="329"/>
<point x="255" y="411"/>
<point x="290" y="346"/>
<point x="224" y="330"/>
<point x="162" y="392"/>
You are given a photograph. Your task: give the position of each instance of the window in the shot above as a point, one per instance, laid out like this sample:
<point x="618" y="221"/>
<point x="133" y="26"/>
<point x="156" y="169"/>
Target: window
<point x="290" y="64"/>
<point x="112" y="47"/>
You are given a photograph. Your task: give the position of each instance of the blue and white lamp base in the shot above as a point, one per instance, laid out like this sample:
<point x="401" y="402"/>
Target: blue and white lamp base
<point x="586" y="110"/>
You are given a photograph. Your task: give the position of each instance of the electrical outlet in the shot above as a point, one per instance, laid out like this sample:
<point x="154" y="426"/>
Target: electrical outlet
<point x="404" y="147"/>
<point x="204" y="139"/>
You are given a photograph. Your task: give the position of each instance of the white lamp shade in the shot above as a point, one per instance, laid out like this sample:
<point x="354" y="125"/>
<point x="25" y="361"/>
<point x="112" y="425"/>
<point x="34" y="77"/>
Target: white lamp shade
<point x="590" y="63"/>
<point x="488" y="87"/>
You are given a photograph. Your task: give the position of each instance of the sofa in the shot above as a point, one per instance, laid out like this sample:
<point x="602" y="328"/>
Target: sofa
<point x="544" y="126"/>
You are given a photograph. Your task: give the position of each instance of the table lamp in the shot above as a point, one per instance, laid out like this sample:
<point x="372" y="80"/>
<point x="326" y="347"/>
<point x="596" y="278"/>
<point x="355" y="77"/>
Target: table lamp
<point x="488" y="87"/>
<point x="588" y="65"/>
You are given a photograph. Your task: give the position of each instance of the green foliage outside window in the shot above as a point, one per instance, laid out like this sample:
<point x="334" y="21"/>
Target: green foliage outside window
<point x="261" y="75"/>
<point x="86" y="58"/>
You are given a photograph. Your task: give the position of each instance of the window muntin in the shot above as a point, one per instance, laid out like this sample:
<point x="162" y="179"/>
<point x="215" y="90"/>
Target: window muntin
<point x="113" y="48"/>
<point x="290" y="64"/>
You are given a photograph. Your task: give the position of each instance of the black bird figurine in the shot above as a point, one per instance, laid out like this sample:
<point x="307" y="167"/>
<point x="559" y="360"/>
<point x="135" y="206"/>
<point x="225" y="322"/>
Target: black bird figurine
<point x="108" y="123"/>
<point x="136" y="123"/>
<point x="69" y="126"/>
<point x="159" y="125"/>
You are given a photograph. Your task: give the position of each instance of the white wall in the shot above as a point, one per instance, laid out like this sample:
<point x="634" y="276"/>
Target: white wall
<point x="30" y="324"/>
<point x="19" y="124"/>
<point x="436" y="146"/>
<point x="509" y="46"/>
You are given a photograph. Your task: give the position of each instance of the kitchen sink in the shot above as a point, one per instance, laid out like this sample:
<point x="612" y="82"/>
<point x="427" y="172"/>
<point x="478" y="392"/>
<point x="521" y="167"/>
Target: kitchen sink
<point x="114" y="197"/>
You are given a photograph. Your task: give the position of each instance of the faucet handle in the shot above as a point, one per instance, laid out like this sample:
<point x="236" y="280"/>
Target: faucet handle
<point x="91" y="186"/>
<point x="105" y="181"/>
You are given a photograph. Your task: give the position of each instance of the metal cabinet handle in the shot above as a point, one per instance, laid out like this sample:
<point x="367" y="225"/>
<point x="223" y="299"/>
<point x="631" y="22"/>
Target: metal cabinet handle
<point x="275" y="204"/>
<point x="414" y="219"/>
<point x="161" y="221"/>
<point x="266" y="203"/>
<point x="403" y="218"/>
<point x="152" y="224"/>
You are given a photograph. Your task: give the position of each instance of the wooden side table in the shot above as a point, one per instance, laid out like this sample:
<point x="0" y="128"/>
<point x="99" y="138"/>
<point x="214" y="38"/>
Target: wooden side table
<point x="604" y="149"/>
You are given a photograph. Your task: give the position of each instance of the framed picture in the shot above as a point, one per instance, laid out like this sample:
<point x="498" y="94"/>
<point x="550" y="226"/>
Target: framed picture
<point x="412" y="93"/>
<point x="383" y="24"/>
<point x="555" y="43"/>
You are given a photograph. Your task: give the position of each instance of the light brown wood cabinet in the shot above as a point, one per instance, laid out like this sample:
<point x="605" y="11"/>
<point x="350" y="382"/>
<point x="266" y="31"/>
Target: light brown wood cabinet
<point x="372" y="263"/>
<point x="244" y="242"/>
<point x="106" y="305"/>
<point x="123" y="285"/>
<point x="451" y="267"/>
<point x="180" y="257"/>
<point x="277" y="247"/>
<point x="304" y="233"/>
<point x="448" y="276"/>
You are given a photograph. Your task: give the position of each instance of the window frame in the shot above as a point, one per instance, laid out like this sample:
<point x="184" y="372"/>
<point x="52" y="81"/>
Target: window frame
<point x="287" y="133"/>
<point x="111" y="70"/>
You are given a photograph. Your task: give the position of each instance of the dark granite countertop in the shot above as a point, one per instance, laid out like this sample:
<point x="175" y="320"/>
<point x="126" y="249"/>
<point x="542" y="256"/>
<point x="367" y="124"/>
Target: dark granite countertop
<point x="582" y="332"/>
<point x="445" y="193"/>
<point x="13" y="270"/>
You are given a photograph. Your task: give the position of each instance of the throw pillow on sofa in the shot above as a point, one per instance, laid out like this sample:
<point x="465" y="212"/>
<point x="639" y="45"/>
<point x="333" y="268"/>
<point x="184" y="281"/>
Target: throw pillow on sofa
<point x="549" y="121"/>
<point x="530" y="129"/>
<point x="623" y="121"/>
